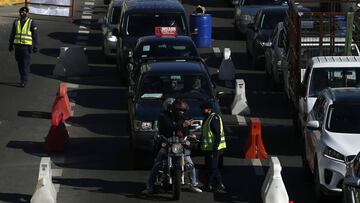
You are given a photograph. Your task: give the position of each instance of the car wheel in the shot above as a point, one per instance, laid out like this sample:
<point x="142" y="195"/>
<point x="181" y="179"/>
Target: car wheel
<point x="319" y="195"/>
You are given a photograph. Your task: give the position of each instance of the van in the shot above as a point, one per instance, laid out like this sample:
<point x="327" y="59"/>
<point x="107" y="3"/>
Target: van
<point x="139" y="18"/>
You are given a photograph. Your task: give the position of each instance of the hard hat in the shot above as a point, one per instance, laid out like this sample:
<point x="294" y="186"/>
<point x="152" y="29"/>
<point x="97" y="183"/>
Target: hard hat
<point x="168" y="102"/>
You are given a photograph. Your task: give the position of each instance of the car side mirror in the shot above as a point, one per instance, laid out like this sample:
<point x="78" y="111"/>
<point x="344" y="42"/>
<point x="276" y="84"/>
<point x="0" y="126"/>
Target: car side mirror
<point x="219" y="94"/>
<point x="115" y="32"/>
<point x="352" y="181"/>
<point x="235" y="2"/>
<point x="313" y="125"/>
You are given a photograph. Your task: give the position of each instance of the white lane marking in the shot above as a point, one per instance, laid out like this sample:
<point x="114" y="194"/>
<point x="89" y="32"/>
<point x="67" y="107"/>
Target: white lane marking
<point x="257" y="167"/>
<point x="87" y="17"/>
<point x="287" y="122"/>
<point x="241" y="120"/>
<point x="83" y="27"/>
<point x="217" y="52"/>
<point x="89" y="3"/>
<point x="87" y="8"/>
<point x="72" y="85"/>
<point x="67" y="124"/>
<point x="56" y="172"/>
<point x="72" y="104"/>
<point x="84" y="31"/>
<point x="72" y="113"/>
<point x="57" y="187"/>
<point x="87" y="12"/>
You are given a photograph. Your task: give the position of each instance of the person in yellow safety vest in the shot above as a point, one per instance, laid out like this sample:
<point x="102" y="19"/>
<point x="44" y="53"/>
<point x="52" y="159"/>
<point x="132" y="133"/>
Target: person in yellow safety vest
<point x="212" y="143"/>
<point x="24" y="37"/>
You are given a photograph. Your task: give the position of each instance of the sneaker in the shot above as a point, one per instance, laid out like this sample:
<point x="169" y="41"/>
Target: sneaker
<point x="220" y="189"/>
<point x="148" y="191"/>
<point x="195" y="189"/>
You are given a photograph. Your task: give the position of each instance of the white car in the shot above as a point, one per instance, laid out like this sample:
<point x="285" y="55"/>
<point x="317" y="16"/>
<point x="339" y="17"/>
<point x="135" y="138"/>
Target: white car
<point x="332" y="133"/>
<point x="274" y="55"/>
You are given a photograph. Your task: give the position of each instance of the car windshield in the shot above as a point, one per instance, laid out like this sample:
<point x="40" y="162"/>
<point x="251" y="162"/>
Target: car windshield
<point x="165" y="49"/>
<point x="115" y="15"/>
<point x="344" y="118"/>
<point x="176" y="86"/>
<point x="270" y="20"/>
<point x="261" y="2"/>
<point x="143" y="25"/>
<point x="323" y="78"/>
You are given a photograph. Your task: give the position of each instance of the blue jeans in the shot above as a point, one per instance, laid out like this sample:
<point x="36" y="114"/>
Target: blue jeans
<point x="162" y="154"/>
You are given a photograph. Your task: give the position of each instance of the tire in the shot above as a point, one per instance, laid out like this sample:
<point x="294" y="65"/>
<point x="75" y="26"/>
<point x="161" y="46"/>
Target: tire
<point x="176" y="185"/>
<point x="319" y="195"/>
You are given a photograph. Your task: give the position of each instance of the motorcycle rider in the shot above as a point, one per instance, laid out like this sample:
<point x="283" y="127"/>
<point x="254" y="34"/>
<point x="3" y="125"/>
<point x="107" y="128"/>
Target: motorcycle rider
<point x="171" y="121"/>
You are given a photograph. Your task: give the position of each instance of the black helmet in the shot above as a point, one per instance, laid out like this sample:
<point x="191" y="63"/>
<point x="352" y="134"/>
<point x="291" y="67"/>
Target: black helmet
<point x="206" y="105"/>
<point x="180" y="105"/>
<point x="26" y="9"/>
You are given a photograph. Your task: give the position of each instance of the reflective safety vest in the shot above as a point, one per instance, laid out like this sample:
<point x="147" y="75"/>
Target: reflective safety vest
<point x="23" y="35"/>
<point x="207" y="137"/>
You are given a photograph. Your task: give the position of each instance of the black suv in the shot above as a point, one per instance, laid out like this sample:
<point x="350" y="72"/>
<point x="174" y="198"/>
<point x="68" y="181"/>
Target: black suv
<point x="188" y="80"/>
<point x="140" y="17"/>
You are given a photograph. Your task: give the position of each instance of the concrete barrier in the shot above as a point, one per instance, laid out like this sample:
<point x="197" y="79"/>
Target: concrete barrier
<point x="45" y="190"/>
<point x="273" y="189"/>
<point x="239" y="104"/>
<point x="72" y="62"/>
<point x="227" y="68"/>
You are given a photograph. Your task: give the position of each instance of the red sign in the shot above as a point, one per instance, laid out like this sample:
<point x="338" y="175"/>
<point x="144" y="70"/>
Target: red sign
<point x="165" y="31"/>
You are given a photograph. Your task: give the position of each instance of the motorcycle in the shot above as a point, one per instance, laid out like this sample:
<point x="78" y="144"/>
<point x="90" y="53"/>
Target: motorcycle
<point x="171" y="171"/>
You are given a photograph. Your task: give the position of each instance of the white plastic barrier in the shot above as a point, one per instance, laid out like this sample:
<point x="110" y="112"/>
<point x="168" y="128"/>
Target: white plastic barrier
<point x="227" y="68"/>
<point x="72" y="62"/>
<point x="45" y="191"/>
<point x="273" y="189"/>
<point x="239" y="104"/>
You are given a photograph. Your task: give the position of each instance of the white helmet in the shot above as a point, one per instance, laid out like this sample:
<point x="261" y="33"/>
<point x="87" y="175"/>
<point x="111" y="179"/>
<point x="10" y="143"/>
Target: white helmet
<point x="168" y="102"/>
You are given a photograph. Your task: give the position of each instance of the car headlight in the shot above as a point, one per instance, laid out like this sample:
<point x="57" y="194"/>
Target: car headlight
<point x="142" y="126"/>
<point x="176" y="148"/>
<point x="111" y="38"/>
<point x="333" y="154"/>
<point x="246" y="17"/>
<point x="265" y="44"/>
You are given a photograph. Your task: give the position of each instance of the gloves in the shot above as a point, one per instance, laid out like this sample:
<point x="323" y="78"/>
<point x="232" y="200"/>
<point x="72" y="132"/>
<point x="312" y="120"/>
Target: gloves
<point x="35" y="49"/>
<point x="11" y="48"/>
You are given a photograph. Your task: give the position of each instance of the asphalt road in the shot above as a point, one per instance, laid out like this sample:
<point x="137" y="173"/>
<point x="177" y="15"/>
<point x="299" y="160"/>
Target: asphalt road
<point x="96" y="165"/>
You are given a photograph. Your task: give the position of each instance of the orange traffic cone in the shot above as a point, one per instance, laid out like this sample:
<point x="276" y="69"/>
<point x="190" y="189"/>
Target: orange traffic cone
<point x="254" y="147"/>
<point x="63" y="102"/>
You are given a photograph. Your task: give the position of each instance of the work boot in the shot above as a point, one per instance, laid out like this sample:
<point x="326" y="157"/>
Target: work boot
<point x="220" y="189"/>
<point x="148" y="191"/>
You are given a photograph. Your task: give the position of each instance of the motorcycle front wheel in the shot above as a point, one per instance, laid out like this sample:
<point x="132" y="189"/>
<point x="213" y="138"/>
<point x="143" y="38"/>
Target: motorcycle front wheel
<point x="176" y="185"/>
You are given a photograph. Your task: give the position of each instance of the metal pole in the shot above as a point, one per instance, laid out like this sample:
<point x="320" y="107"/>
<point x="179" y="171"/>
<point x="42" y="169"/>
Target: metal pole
<point x="349" y="31"/>
<point x="26" y="3"/>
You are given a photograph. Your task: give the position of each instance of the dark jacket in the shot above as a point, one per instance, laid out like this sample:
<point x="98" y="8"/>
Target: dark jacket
<point x="33" y="29"/>
<point x="168" y="125"/>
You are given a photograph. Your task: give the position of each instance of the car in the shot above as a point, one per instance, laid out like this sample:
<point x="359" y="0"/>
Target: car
<point x="259" y="34"/>
<point x="156" y="48"/>
<point x="245" y="11"/>
<point x="110" y="22"/>
<point x="159" y="80"/>
<point x="332" y="134"/>
<point x="351" y="185"/>
<point x="139" y="18"/>
<point x="274" y="54"/>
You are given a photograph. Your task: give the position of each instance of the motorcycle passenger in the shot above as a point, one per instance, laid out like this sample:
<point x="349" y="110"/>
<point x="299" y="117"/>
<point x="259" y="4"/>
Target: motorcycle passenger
<point x="171" y="121"/>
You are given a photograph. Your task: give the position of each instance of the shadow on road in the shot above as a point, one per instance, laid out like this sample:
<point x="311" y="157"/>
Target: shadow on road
<point x="14" y="197"/>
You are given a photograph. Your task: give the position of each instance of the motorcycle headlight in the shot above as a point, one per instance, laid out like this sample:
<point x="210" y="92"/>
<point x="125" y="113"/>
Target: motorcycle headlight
<point x="142" y="126"/>
<point x="265" y="44"/>
<point x="111" y="38"/>
<point x="333" y="154"/>
<point x="176" y="148"/>
<point x="246" y="17"/>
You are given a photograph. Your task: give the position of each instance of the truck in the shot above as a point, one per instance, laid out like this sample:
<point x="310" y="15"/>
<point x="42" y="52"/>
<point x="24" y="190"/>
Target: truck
<point x="320" y="32"/>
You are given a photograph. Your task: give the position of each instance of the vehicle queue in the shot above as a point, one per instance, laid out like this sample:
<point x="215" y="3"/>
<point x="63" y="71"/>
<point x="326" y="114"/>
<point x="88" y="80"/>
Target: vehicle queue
<point x="164" y="64"/>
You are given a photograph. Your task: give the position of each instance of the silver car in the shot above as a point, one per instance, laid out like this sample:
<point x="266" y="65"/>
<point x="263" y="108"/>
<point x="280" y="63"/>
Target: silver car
<point x="111" y="22"/>
<point x="245" y="11"/>
<point x="274" y="54"/>
<point x="351" y="185"/>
